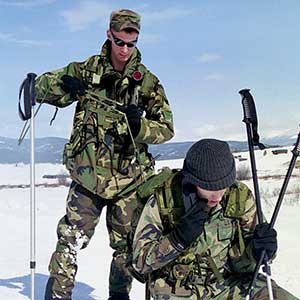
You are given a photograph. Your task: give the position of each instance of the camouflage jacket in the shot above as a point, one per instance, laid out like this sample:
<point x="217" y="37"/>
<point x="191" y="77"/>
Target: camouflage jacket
<point x="222" y="249"/>
<point x="100" y="153"/>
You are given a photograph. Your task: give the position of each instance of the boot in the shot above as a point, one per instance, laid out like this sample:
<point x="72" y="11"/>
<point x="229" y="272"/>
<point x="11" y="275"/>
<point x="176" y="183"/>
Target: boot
<point x="118" y="296"/>
<point x="48" y="292"/>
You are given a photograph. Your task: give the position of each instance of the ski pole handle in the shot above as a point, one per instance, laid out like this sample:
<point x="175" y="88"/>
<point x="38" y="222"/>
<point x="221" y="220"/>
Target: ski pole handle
<point x="27" y="89"/>
<point x="250" y="115"/>
<point x="31" y="78"/>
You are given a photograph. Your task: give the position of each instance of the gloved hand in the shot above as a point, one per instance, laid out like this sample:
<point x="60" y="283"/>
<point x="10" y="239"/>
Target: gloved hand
<point x="72" y="85"/>
<point x="264" y="239"/>
<point x="134" y="119"/>
<point x="190" y="226"/>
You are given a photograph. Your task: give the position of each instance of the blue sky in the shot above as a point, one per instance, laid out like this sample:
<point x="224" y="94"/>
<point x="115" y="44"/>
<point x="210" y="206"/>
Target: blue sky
<point x="204" y="52"/>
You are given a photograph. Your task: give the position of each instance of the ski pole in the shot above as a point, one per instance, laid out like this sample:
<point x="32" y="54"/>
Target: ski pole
<point x="296" y="153"/>
<point x="250" y="119"/>
<point x="27" y="88"/>
<point x="147" y="291"/>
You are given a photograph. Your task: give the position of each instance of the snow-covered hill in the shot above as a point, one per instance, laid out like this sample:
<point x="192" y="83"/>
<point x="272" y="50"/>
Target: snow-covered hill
<point x="50" y="149"/>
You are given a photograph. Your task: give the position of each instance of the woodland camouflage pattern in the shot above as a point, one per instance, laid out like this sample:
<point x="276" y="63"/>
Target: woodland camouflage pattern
<point x="124" y="18"/>
<point x="101" y="159"/>
<point x="190" y="274"/>
<point x="95" y="152"/>
<point x="75" y="231"/>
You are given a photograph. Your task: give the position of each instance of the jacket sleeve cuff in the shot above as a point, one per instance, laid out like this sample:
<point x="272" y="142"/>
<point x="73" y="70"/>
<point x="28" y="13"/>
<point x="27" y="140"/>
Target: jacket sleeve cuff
<point x="141" y="135"/>
<point x="175" y="243"/>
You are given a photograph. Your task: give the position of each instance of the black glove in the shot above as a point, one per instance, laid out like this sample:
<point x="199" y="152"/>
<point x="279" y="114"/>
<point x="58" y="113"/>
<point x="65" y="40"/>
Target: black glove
<point x="72" y="85"/>
<point x="134" y="119"/>
<point x="190" y="226"/>
<point x="264" y="239"/>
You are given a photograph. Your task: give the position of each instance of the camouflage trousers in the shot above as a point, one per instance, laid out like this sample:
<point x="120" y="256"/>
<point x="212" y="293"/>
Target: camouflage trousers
<point x="232" y="289"/>
<point x="74" y="232"/>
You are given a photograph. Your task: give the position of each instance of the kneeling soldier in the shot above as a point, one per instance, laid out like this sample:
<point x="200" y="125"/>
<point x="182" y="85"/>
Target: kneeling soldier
<point x="198" y="237"/>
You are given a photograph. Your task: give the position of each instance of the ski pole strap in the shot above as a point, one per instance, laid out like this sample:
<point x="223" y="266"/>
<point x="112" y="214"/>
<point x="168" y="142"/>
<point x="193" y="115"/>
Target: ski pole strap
<point x="250" y="116"/>
<point x="54" y="116"/>
<point x="296" y="150"/>
<point x="27" y="89"/>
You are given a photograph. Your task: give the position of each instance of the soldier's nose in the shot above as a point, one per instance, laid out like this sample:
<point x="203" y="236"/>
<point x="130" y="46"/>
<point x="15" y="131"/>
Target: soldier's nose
<point x="125" y="49"/>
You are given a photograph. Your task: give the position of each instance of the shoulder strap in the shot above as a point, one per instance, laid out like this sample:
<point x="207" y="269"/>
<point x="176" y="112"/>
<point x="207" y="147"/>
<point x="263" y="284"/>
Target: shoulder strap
<point x="235" y="206"/>
<point x="156" y="181"/>
<point x="235" y="200"/>
<point x="170" y="201"/>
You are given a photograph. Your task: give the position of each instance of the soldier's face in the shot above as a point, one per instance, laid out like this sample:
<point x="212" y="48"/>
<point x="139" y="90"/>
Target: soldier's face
<point x="213" y="197"/>
<point x="122" y="44"/>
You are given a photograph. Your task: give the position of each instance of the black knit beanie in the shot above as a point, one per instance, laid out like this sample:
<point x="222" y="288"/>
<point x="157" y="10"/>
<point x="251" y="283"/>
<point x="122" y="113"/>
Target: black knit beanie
<point x="210" y="165"/>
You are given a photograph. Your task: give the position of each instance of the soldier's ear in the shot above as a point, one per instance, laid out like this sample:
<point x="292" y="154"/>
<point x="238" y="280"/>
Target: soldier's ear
<point x="108" y="34"/>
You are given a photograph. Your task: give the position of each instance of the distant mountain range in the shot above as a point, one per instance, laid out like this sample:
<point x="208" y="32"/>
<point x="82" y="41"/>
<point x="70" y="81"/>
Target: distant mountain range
<point x="50" y="149"/>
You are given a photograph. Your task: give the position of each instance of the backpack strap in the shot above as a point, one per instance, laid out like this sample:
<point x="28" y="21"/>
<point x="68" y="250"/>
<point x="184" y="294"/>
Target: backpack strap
<point x="169" y="200"/>
<point x="235" y="200"/>
<point x="234" y="207"/>
<point x="240" y="237"/>
<point x="214" y="268"/>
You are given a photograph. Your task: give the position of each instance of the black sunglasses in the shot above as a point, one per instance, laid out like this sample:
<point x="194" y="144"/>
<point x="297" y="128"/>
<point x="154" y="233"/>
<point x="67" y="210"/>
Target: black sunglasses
<point x="121" y="43"/>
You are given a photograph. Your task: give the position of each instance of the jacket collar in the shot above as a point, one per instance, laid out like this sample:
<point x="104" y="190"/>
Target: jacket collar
<point x="131" y="66"/>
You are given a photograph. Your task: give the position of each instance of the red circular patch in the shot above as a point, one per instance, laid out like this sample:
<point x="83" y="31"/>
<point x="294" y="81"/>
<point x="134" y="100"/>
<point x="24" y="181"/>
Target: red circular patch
<point x="137" y="75"/>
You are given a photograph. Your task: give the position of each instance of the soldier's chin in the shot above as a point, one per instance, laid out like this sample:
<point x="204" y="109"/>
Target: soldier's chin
<point x="123" y="58"/>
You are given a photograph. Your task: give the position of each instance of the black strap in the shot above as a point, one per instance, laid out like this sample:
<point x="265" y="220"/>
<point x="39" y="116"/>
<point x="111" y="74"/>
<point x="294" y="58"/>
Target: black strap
<point x="28" y="91"/>
<point x="54" y="116"/>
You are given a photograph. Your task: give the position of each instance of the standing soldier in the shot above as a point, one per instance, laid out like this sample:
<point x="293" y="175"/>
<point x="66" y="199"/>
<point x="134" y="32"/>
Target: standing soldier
<point x="197" y="237"/>
<point x="121" y="107"/>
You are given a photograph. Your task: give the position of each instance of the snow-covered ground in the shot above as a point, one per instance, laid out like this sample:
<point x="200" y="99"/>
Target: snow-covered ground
<point x="92" y="276"/>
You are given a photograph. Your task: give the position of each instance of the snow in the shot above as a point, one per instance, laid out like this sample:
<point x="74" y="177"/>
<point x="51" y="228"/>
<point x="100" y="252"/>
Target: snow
<point x="94" y="261"/>
<point x="13" y="174"/>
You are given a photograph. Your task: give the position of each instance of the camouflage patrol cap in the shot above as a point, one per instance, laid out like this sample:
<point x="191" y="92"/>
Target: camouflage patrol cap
<point x="123" y="19"/>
